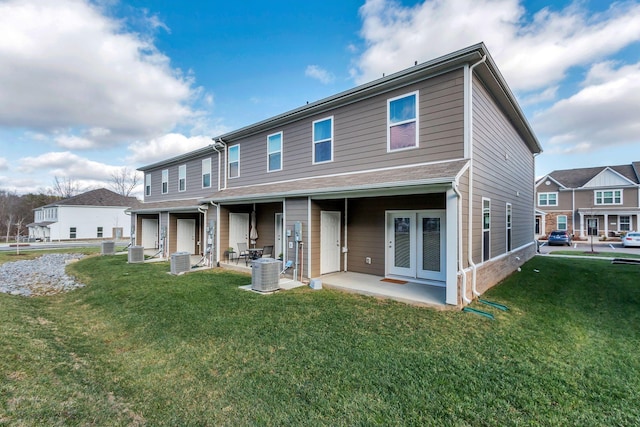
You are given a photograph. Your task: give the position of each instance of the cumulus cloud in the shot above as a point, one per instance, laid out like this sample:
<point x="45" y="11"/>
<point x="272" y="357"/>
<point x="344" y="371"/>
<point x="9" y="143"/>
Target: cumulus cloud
<point x="164" y="147"/>
<point x="318" y="73"/>
<point x="67" y="66"/>
<point x="68" y="164"/>
<point x="4" y="164"/>
<point x="532" y="53"/>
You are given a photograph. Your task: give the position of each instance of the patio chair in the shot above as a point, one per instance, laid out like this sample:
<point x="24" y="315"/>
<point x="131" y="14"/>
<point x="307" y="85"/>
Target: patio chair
<point x="267" y="252"/>
<point x="243" y="252"/>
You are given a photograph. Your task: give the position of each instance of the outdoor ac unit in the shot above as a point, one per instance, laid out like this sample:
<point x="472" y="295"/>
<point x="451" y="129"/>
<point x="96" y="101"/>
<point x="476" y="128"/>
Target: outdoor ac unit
<point x="108" y="248"/>
<point x="180" y="262"/>
<point x="265" y="275"/>
<point x="136" y="254"/>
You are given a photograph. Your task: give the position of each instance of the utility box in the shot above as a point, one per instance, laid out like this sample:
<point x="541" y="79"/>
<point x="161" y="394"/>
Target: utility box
<point x="265" y="275"/>
<point x="136" y="254"/>
<point x="180" y="262"/>
<point x="108" y="248"/>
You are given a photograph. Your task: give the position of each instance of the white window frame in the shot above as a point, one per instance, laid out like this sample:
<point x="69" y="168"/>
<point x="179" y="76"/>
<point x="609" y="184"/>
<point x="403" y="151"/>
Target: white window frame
<point x="546" y="199"/>
<point x="566" y="223"/>
<point x="182" y="178"/>
<point x="99" y="232"/>
<point x="509" y="226"/>
<point x="165" y="181"/>
<point x="599" y="195"/>
<point x="415" y="119"/>
<point x="331" y="139"/>
<point x="147" y="184"/>
<point x="73" y="232"/>
<point x="229" y="162"/>
<point x="627" y="223"/>
<point x="206" y="170"/>
<point x="279" y="151"/>
<point x="486" y="227"/>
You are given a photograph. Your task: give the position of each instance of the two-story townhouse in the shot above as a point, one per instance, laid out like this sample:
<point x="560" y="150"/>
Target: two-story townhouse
<point x="426" y="175"/>
<point x="596" y="201"/>
<point x="95" y="214"/>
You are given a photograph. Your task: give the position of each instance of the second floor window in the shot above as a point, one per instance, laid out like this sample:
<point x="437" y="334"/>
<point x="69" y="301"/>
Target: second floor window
<point x="547" y="199"/>
<point x="234" y="161"/>
<point x="165" y="181"/>
<point x="274" y="152"/>
<point x="147" y="185"/>
<point x="206" y="173"/>
<point x="182" y="177"/>
<point x="323" y="140"/>
<point x="402" y="125"/>
<point x="609" y="197"/>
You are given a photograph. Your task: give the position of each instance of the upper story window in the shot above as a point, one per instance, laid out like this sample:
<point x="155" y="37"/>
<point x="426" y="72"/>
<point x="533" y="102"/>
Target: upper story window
<point x="402" y="122"/>
<point x="165" y="181"/>
<point x="608" y="197"/>
<point x="182" y="177"/>
<point x="547" y="199"/>
<point x="323" y="140"/>
<point x="206" y="173"/>
<point x="147" y="184"/>
<point x="274" y="152"/>
<point x="234" y="161"/>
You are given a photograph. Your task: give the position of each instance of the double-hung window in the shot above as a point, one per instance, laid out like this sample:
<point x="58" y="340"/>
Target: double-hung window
<point x="147" y="184"/>
<point x="624" y="223"/>
<point x="165" y="181"/>
<point x="562" y="222"/>
<point x="509" y="213"/>
<point x="182" y="177"/>
<point x="608" y="197"/>
<point x="402" y="122"/>
<point x="486" y="229"/>
<point x="323" y="140"/>
<point x="547" y="199"/>
<point x="73" y="232"/>
<point x="206" y="173"/>
<point x="99" y="232"/>
<point x="274" y="152"/>
<point x="234" y="161"/>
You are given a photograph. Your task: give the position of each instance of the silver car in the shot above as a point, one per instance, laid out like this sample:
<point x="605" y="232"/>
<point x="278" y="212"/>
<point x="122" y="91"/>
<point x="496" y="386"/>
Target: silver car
<point x="631" y="239"/>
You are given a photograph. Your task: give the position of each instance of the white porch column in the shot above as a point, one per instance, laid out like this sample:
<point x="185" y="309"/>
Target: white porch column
<point x="582" y="235"/>
<point x="451" y="250"/>
<point x="606" y="225"/>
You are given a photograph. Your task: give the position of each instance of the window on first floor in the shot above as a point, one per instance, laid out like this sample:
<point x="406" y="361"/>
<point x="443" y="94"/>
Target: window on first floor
<point x="486" y="229"/>
<point x="323" y="140"/>
<point x="625" y="223"/>
<point x="402" y="122"/>
<point x="182" y="177"/>
<point x="547" y="199"/>
<point x="234" y="161"/>
<point x="509" y="214"/>
<point x="72" y="232"/>
<point x="99" y="233"/>
<point x="608" y="197"/>
<point x="562" y="222"/>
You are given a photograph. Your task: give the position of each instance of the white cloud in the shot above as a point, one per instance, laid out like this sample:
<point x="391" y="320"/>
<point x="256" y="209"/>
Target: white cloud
<point x="4" y="164"/>
<point x="318" y="73"/>
<point x="67" y="164"/>
<point x="65" y="65"/>
<point x="602" y="114"/>
<point x="165" y="147"/>
<point x="530" y="53"/>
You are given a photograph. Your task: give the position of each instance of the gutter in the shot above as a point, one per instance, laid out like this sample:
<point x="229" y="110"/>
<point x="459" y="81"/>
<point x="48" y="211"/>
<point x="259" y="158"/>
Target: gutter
<point x="221" y="144"/>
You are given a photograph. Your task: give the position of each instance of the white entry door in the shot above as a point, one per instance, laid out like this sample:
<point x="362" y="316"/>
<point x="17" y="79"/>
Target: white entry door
<point x="149" y="233"/>
<point x="238" y="229"/>
<point x="186" y="235"/>
<point x="416" y="244"/>
<point x="280" y="238"/>
<point x="329" y="242"/>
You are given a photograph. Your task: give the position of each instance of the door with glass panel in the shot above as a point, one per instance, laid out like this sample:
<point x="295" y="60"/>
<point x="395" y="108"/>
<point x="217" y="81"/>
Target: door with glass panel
<point x="416" y="244"/>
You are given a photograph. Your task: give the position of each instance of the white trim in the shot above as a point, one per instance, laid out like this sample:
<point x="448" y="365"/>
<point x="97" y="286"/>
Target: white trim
<point x="204" y="172"/>
<point x="314" y="142"/>
<point x="546" y="194"/>
<point x="182" y="171"/>
<point x="232" y="147"/>
<point x="508" y="222"/>
<point x="595" y="197"/>
<point x="452" y="235"/>
<point x="485" y="199"/>
<point x="281" y="151"/>
<point x="164" y="187"/>
<point x="147" y="184"/>
<point x="416" y="120"/>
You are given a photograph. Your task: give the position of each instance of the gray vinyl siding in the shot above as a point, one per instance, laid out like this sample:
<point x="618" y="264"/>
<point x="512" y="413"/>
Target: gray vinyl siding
<point x="360" y="136"/>
<point x="193" y="184"/>
<point x="504" y="172"/>
<point x="297" y="210"/>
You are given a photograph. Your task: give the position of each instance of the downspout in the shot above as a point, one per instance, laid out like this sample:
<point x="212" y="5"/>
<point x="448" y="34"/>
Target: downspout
<point x="470" y="145"/>
<point x="461" y="271"/>
<point x="203" y="231"/>
<point x="217" y="230"/>
<point x="224" y="144"/>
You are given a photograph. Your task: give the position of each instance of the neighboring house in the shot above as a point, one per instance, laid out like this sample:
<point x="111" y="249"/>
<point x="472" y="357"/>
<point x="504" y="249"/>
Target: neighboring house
<point x="96" y="214"/>
<point x="425" y="175"/>
<point x="598" y="201"/>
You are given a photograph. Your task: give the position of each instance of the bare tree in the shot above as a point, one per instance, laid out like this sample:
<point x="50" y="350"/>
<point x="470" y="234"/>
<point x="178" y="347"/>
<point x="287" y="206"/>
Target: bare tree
<point x="65" y="187"/>
<point x="8" y="221"/>
<point x="124" y="181"/>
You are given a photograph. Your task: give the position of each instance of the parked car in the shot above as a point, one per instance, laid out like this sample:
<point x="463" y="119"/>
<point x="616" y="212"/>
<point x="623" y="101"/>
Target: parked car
<point x="559" y="237"/>
<point x="631" y="239"/>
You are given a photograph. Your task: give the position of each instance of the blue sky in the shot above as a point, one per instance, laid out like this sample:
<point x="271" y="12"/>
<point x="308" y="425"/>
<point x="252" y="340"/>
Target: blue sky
<point x="90" y="87"/>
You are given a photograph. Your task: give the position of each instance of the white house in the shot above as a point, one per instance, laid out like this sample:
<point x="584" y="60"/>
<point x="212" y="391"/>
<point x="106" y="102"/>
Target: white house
<point x="96" y="214"/>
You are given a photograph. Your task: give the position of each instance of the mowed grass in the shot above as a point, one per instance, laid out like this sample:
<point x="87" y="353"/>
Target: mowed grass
<point x="138" y="346"/>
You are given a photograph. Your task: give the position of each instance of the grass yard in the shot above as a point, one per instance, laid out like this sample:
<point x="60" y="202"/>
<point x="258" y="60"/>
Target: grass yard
<point x="141" y="347"/>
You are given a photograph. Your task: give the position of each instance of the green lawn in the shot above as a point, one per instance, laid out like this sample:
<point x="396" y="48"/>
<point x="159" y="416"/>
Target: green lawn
<point x="141" y="347"/>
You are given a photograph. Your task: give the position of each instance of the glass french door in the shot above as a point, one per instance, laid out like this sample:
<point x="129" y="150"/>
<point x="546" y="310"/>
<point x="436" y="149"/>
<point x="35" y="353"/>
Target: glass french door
<point x="416" y="244"/>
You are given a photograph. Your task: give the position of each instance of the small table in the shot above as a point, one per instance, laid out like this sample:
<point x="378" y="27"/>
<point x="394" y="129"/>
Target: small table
<point x="230" y="255"/>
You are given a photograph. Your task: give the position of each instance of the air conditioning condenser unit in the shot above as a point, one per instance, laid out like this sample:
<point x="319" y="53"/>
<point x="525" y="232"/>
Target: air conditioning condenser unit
<point x="136" y="254"/>
<point x="108" y="248"/>
<point x="265" y="275"/>
<point x="180" y="262"/>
